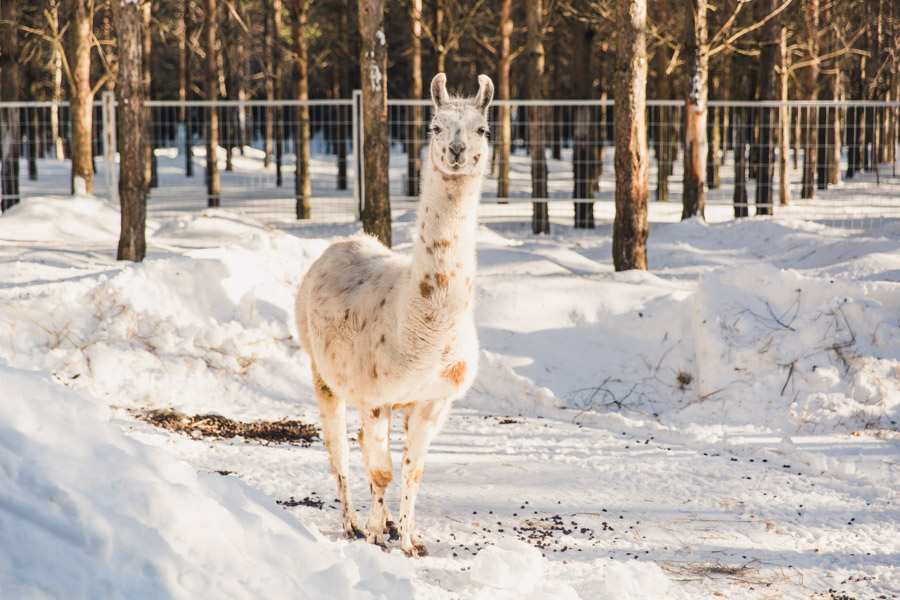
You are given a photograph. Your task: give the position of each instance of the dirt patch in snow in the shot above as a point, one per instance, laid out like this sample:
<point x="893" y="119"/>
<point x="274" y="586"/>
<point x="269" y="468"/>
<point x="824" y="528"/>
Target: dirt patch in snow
<point x="219" y="427"/>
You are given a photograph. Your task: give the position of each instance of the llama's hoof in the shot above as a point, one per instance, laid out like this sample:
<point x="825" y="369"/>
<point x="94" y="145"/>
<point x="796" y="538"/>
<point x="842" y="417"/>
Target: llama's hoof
<point x="354" y="533"/>
<point x="391" y="529"/>
<point x="375" y="538"/>
<point x="417" y="551"/>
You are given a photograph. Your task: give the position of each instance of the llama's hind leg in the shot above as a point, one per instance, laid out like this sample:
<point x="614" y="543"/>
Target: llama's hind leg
<point x="333" y="418"/>
<point x="423" y="422"/>
<point x="374" y="438"/>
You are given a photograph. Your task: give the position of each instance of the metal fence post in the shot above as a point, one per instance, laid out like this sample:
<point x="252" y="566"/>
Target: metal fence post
<point x="359" y="186"/>
<point x="111" y="172"/>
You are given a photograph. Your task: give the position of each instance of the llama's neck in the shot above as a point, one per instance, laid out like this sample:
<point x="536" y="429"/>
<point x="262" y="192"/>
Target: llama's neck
<point x="442" y="272"/>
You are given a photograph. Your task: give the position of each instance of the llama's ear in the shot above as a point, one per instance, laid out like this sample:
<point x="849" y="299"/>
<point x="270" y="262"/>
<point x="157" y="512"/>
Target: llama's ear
<point x="485" y="94"/>
<point x="439" y="90"/>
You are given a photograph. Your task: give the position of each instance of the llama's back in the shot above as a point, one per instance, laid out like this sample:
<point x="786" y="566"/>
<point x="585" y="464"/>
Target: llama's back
<point x="345" y="303"/>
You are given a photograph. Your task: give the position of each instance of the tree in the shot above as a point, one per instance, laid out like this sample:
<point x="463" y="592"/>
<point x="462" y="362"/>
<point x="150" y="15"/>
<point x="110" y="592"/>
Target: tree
<point x="586" y="142"/>
<point x="540" y="220"/>
<point x="414" y="121"/>
<point x="695" y="142"/>
<point x="504" y="139"/>
<point x="630" y="227"/>
<point x="132" y="130"/>
<point x="186" y="86"/>
<point x="784" y="133"/>
<point x="81" y="95"/>
<point x="809" y="82"/>
<point x="768" y="50"/>
<point x="376" y="215"/>
<point x="9" y="92"/>
<point x="212" y="116"/>
<point x="302" y="180"/>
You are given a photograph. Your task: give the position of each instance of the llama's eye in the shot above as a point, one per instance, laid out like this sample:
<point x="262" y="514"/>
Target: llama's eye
<point x="435" y="129"/>
<point x="483" y="131"/>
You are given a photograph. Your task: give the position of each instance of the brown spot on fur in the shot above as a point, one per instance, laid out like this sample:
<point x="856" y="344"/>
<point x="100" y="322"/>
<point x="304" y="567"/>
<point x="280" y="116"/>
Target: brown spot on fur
<point x="347" y="314"/>
<point x="414" y="478"/>
<point x="383" y="301"/>
<point x="363" y="324"/>
<point x="325" y="390"/>
<point x="446" y="351"/>
<point x="422" y="237"/>
<point x="425" y="289"/>
<point x="375" y="372"/>
<point x="376" y="412"/>
<point x="408" y="461"/>
<point x="333" y="356"/>
<point x="381" y="341"/>
<point x="455" y="373"/>
<point x="459" y="265"/>
<point x="380" y="478"/>
<point x="441" y="279"/>
<point x="445" y="244"/>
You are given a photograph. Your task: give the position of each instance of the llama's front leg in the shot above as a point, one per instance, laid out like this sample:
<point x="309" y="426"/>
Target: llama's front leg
<point x="374" y="440"/>
<point x="333" y="418"/>
<point x="424" y="421"/>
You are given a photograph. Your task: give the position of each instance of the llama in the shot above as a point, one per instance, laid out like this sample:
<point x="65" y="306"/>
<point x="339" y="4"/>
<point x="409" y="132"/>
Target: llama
<point x="386" y="331"/>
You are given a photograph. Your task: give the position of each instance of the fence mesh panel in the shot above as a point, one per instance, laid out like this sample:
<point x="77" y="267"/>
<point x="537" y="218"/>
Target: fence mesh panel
<point x="833" y="162"/>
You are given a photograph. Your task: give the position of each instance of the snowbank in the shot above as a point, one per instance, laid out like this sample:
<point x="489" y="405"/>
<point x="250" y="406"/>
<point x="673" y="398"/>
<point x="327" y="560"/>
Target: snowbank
<point x="109" y="517"/>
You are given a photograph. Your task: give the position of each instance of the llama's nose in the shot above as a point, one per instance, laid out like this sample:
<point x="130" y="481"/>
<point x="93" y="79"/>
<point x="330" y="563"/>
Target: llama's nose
<point x="456" y="147"/>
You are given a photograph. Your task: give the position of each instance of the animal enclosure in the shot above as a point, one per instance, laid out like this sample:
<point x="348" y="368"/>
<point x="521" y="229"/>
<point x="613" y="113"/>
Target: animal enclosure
<point x="847" y="142"/>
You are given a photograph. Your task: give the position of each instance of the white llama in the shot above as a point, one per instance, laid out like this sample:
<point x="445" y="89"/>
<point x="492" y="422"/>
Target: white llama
<point x="386" y="331"/>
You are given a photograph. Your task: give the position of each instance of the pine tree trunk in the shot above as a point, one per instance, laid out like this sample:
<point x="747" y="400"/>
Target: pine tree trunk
<point x="661" y="124"/>
<point x="376" y="215"/>
<point x="714" y="138"/>
<point x="505" y="134"/>
<point x="81" y="96"/>
<point x="540" y="220"/>
<point x="186" y="84"/>
<point x="302" y="179"/>
<point x="212" y="114"/>
<point x="695" y="142"/>
<point x="132" y="131"/>
<point x="276" y="77"/>
<point x="9" y="92"/>
<point x="152" y="132"/>
<point x="414" y="121"/>
<point x="810" y="81"/>
<point x="586" y="143"/>
<point x="269" y="34"/>
<point x="765" y="172"/>
<point x="740" y="126"/>
<point x="339" y="84"/>
<point x="630" y="227"/>
<point x="58" y="144"/>
<point x="833" y="141"/>
<point x="784" y="137"/>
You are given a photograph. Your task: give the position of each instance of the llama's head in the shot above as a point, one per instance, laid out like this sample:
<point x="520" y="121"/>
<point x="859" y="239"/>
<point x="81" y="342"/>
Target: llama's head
<point x="459" y="128"/>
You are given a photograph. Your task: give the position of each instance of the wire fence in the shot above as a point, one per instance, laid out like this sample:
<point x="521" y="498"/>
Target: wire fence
<point x="834" y="162"/>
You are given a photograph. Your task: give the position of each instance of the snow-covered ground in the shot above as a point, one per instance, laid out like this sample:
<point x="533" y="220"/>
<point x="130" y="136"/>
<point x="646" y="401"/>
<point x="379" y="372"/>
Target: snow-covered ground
<point x="725" y="425"/>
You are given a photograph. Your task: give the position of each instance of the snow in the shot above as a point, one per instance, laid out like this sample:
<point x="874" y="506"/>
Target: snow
<point x="724" y="425"/>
